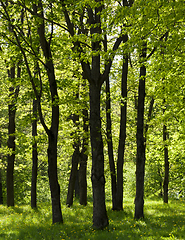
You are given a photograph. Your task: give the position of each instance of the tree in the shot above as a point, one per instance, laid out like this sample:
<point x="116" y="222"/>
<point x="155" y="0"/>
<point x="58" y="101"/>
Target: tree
<point x="75" y="161"/>
<point x="92" y="71"/>
<point x="52" y="132"/>
<point x="34" y="157"/>
<point x="11" y="139"/>
<point x="140" y="158"/>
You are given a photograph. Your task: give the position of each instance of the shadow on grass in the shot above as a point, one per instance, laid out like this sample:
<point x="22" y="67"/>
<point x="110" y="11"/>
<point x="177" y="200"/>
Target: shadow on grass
<point x="161" y="222"/>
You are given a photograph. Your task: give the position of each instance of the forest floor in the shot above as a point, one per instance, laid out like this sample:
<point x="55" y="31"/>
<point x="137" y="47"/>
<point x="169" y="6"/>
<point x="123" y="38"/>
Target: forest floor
<point x="162" y="221"/>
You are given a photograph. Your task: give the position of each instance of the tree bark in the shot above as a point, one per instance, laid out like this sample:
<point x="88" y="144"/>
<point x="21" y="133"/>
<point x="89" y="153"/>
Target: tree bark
<point x="83" y="161"/>
<point x="110" y="144"/>
<point x="72" y="179"/>
<point x="166" y="166"/>
<point x="34" y="158"/>
<point x="100" y="219"/>
<point x="140" y="159"/>
<point x="53" y="131"/>
<point x="11" y="140"/>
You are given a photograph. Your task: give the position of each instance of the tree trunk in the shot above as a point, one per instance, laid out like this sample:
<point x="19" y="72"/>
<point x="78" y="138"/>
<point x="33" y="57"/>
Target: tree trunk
<point x="53" y="131"/>
<point x="122" y="136"/>
<point x="72" y="179"/>
<point x="110" y="144"/>
<point x="53" y="178"/>
<point x="100" y="219"/>
<point x="11" y="141"/>
<point x="34" y="158"/>
<point x="83" y="161"/>
<point x="140" y="159"/>
<point x="166" y="165"/>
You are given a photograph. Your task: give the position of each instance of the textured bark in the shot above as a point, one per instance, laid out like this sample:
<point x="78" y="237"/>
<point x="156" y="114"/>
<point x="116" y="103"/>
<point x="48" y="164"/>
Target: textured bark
<point x="100" y="219"/>
<point x="34" y="158"/>
<point x="11" y="140"/>
<point x="140" y="159"/>
<point x="166" y="166"/>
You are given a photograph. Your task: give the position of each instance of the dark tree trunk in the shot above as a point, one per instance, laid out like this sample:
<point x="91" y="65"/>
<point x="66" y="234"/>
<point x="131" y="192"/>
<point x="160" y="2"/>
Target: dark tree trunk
<point x="96" y="79"/>
<point x="117" y="184"/>
<point x="53" y="131"/>
<point x="166" y="166"/>
<point x="52" y="147"/>
<point x="100" y="219"/>
<point x="122" y="136"/>
<point x="149" y="115"/>
<point x="109" y="137"/>
<point x="110" y="144"/>
<point x="53" y="178"/>
<point x="34" y="158"/>
<point x="11" y="140"/>
<point x="72" y="179"/>
<point x="83" y="161"/>
<point x="140" y="159"/>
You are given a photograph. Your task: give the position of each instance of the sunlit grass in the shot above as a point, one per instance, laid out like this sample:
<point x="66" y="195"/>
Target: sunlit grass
<point x="162" y="221"/>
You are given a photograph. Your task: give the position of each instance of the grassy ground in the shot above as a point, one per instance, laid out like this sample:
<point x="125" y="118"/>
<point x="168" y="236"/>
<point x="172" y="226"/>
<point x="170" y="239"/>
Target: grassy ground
<point x="161" y="221"/>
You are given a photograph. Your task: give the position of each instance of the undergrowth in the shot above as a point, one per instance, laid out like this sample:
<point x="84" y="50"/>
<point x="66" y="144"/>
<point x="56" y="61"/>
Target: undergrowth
<point x="162" y="221"/>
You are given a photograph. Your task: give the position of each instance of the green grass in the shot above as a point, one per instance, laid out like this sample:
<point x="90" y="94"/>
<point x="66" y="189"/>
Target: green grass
<point x="162" y="221"/>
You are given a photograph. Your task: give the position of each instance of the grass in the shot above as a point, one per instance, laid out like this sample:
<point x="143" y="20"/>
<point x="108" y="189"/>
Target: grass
<point x="162" y="221"/>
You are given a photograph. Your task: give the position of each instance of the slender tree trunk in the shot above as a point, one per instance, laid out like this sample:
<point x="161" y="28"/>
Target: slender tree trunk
<point x="83" y="161"/>
<point x="109" y="137"/>
<point x="117" y="184"/>
<point x="166" y="165"/>
<point x="72" y="179"/>
<point x="110" y="145"/>
<point x="165" y="136"/>
<point x="11" y="141"/>
<point x="100" y="219"/>
<point x="53" y="131"/>
<point x="122" y="136"/>
<point x="140" y="159"/>
<point x="34" y="158"/>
